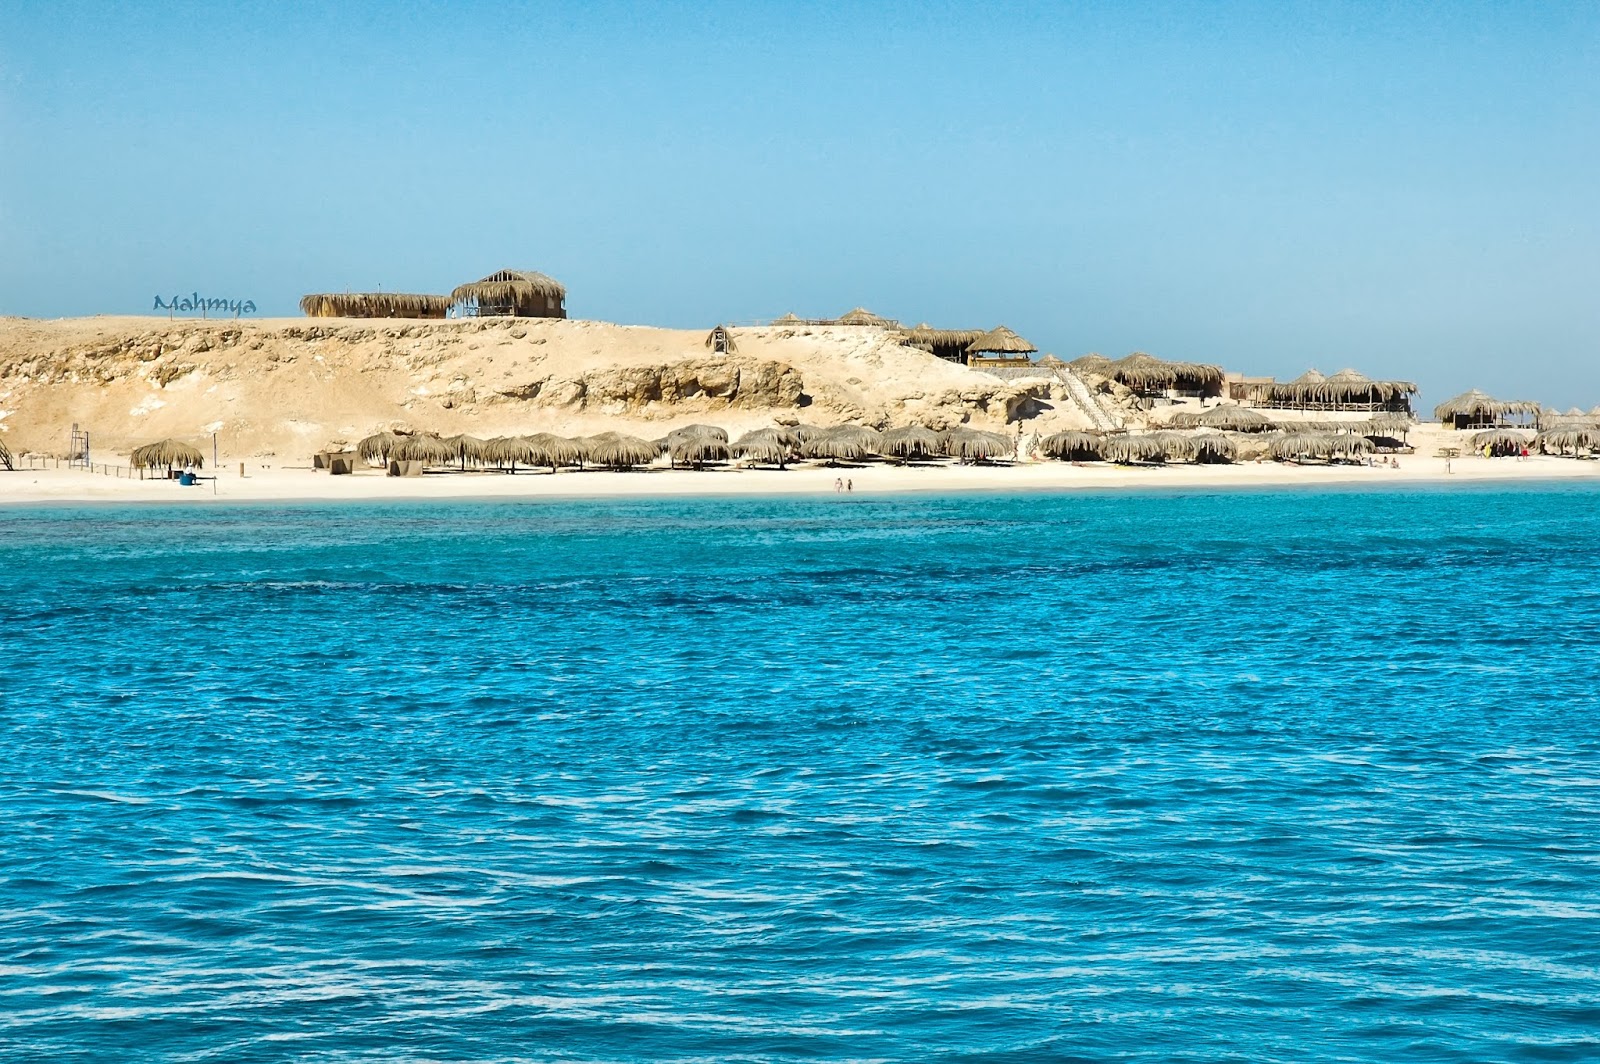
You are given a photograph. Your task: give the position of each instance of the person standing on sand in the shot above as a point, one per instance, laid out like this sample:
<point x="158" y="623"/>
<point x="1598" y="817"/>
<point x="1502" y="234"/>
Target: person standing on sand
<point x="850" y="485"/>
<point x="838" y="485"/>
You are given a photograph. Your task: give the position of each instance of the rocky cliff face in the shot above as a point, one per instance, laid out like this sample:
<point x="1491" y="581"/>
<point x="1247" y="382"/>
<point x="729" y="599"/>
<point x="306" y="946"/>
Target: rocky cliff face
<point x="293" y="386"/>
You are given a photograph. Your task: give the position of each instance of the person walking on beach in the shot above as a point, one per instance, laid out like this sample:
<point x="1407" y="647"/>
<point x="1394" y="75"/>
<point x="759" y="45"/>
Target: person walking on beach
<point x="838" y="485"/>
<point x="850" y="485"/>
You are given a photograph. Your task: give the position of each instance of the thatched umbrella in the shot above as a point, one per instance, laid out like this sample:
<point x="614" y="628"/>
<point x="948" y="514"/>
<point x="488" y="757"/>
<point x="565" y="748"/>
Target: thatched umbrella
<point x="909" y="441"/>
<point x="975" y="445"/>
<point x="1000" y="341"/>
<point x="374" y="305"/>
<point x="1298" y="445"/>
<point x="1215" y="448"/>
<point x="524" y="293"/>
<point x="1348" y="445"/>
<point x="1126" y="449"/>
<point x="617" y="451"/>
<point x="467" y="449"/>
<point x="1177" y="446"/>
<point x="1072" y="446"/>
<point x="378" y="446"/>
<point x="1231" y="417"/>
<point x="168" y="454"/>
<point x="1568" y="439"/>
<point x="695" y="432"/>
<point x="1500" y="442"/>
<point x="762" y="445"/>
<point x="697" y="450"/>
<point x="1473" y="409"/>
<point x="429" y="450"/>
<point x="842" y="442"/>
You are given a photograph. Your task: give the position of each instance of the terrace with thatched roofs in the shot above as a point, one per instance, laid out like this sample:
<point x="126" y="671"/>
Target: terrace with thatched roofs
<point x="1149" y="377"/>
<point x="374" y="305"/>
<point x="1345" y="390"/>
<point x="999" y="348"/>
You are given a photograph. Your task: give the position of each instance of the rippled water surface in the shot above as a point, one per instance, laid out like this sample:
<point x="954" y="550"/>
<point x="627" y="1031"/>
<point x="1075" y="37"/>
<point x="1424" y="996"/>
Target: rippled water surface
<point x="1264" y="777"/>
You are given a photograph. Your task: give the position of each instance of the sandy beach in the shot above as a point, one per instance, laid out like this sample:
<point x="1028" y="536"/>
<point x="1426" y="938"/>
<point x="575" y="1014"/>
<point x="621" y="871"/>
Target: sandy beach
<point x="280" y="484"/>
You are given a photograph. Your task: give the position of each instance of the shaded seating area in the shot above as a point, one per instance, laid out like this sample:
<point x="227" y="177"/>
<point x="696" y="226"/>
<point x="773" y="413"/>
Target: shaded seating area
<point x="1152" y="378"/>
<point x="1346" y="390"/>
<point x="1474" y="410"/>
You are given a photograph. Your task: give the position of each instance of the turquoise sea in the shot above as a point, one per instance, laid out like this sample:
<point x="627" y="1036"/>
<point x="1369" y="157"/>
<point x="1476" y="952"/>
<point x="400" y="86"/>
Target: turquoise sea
<point x="1284" y="776"/>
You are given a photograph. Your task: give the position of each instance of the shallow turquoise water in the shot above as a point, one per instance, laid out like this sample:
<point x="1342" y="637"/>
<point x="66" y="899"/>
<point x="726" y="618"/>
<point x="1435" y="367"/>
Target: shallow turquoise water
<point x="1101" y="777"/>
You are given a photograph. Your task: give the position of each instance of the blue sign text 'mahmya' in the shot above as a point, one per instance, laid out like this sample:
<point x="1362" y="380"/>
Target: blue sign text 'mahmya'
<point x="194" y="301"/>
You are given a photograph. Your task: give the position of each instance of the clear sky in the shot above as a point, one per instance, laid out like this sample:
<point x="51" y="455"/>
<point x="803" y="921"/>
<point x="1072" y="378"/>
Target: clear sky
<point x="1409" y="189"/>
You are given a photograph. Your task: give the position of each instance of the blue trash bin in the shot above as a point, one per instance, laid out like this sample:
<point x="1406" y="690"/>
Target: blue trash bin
<point x="186" y="479"/>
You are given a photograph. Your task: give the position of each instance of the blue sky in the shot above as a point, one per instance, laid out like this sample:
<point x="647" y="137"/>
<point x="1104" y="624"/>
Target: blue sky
<point x="1404" y="188"/>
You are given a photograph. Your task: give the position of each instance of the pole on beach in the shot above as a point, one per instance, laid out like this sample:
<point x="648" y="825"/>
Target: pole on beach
<point x="216" y="470"/>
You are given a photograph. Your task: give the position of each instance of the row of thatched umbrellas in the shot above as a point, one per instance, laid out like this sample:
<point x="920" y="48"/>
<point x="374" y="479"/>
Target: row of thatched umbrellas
<point x="692" y="445"/>
<point x="1169" y="445"/>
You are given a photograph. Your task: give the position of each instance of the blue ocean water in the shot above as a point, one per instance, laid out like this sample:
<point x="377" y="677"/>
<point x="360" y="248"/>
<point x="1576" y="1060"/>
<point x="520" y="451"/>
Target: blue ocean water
<point x="1157" y="777"/>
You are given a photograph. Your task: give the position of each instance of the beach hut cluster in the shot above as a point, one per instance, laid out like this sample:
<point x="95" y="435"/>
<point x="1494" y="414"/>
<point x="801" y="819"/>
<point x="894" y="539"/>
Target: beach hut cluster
<point x="691" y="446"/>
<point x="508" y="293"/>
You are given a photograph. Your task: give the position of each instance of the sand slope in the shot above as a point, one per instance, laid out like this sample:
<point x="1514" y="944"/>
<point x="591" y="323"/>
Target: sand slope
<point x="290" y="386"/>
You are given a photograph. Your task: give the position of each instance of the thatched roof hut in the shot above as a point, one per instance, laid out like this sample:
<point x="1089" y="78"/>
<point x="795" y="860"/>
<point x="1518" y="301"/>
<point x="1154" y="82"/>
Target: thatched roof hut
<point x="1072" y="446"/>
<point x="910" y="441"/>
<point x="1474" y="410"/>
<point x="862" y="316"/>
<point x="790" y="318"/>
<point x="1092" y="363"/>
<point x="1501" y="442"/>
<point x="762" y="445"/>
<point x="948" y="344"/>
<point x="1147" y="375"/>
<point x="374" y="305"/>
<point x="1000" y="341"/>
<point x="720" y="341"/>
<point x="167" y="454"/>
<point x="513" y="293"/>
<point x="615" y="450"/>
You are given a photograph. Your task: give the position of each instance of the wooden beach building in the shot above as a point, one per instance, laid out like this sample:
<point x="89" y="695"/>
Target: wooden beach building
<point x="1474" y="410"/>
<point x="512" y="293"/>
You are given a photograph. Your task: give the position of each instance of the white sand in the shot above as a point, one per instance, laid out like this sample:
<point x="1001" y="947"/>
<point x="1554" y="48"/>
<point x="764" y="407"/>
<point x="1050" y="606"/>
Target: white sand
<point x="272" y="484"/>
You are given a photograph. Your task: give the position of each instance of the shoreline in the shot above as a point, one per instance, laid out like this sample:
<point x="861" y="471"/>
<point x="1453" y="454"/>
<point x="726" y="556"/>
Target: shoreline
<point x="303" y="485"/>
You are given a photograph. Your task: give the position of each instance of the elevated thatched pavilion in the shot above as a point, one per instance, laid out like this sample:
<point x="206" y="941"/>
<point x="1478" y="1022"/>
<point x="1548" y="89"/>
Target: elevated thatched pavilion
<point x="1345" y="390"/>
<point x="513" y="293"/>
<point x="374" y="305"/>
<point x="863" y="316"/>
<point x="1149" y="377"/>
<point x="948" y="344"/>
<point x="1475" y="410"/>
<point x="999" y="347"/>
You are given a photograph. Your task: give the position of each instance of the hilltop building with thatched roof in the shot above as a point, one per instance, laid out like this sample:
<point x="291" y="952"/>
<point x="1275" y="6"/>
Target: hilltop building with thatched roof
<point x="374" y="305"/>
<point x="512" y="293"/>
<point x="863" y="316"/>
<point x="1475" y="410"/>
